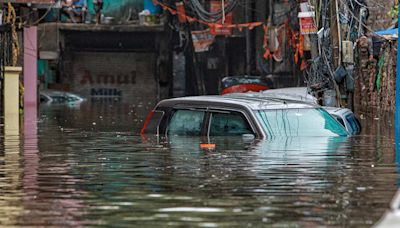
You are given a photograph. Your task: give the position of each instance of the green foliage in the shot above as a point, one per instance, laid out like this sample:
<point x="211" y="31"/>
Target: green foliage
<point x="394" y="12"/>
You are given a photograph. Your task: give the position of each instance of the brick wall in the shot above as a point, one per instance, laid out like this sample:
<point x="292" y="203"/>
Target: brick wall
<point x="378" y="14"/>
<point x="375" y="85"/>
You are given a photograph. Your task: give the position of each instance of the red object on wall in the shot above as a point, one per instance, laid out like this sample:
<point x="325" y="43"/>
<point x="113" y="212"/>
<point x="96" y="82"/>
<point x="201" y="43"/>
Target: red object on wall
<point x="244" y="88"/>
<point x="181" y="12"/>
<point x="221" y="29"/>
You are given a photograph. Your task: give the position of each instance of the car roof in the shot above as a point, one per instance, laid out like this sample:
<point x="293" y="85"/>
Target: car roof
<point x="253" y="101"/>
<point x="337" y="111"/>
<point x="292" y="93"/>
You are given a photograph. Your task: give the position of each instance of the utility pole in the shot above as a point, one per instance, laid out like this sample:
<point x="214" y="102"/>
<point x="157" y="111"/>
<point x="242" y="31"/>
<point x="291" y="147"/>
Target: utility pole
<point x="248" y="40"/>
<point x="335" y="34"/>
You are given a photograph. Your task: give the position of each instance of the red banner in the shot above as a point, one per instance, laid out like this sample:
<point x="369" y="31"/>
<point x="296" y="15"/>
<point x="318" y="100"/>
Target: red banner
<point x="224" y="29"/>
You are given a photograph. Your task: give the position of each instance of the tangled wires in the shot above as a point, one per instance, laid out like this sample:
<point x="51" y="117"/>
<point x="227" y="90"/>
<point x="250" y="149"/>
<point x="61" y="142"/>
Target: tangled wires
<point x="212" y="17"/>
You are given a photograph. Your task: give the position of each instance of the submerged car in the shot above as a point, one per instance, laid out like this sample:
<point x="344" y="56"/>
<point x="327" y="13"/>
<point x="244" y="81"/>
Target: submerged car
<point x="347" y="118"/>
<point x="344" y="115"/>
<point x="59" y="97"/>
<point x="240" y="114"/>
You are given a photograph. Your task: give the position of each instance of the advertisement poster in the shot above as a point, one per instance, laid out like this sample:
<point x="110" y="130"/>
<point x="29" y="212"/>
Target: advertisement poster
<point x="202" y="40"/>
<point x="307" y="25"/>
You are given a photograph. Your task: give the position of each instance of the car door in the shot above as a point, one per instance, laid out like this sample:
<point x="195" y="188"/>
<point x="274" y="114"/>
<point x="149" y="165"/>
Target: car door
<point x="228" y="123"/>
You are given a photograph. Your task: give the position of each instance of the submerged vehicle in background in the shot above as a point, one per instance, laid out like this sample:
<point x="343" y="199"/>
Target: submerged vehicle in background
<point x="50" y="97"/>
<point x="240" y="114"/>
<point x="347" y="118"/>
<point x="242" y="84"/>
<point x="344" y="115"/>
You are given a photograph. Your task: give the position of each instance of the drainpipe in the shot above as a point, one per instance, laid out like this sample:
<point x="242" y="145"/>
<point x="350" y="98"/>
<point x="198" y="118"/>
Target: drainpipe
<point x="30" y="77"/>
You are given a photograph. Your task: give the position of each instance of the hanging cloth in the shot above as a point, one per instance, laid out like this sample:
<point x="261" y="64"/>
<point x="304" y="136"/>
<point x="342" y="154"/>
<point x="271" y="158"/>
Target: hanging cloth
<point x="267" y="54"/>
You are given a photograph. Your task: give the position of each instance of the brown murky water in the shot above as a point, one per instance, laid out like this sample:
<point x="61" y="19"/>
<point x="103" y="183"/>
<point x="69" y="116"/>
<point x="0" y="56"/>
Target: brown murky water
<point x="86" y="166"/>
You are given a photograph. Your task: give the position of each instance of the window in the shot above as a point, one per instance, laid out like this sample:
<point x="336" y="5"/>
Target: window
<point x="71" y="98"/>
<point x="228" y="124"/>
<point x="354" y="124"/>
<point x="151" y="126"/>
<point x="44" y="99"/>
<point x="299" y="122"/>
<point x="58" y="99"/>
<point x="339" y="119"/>
<point x="186" y="123"/>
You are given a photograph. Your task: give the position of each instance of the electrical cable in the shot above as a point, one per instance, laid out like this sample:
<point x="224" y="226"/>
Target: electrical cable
<point x="45" y="14"/>
<point x="212" y="17"/>
<point x="360" y="4"/>
<point x="362" y="23"/>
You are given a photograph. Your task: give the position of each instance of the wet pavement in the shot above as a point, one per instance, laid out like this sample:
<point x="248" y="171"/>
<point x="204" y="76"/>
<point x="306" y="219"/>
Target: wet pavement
<point x="87" y="166"/>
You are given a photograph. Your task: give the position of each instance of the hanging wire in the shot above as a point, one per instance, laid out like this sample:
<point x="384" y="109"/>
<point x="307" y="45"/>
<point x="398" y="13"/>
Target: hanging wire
<point x="212" y="17"/>
<point x="363" y="5"/>
<point x="360" y="22"/>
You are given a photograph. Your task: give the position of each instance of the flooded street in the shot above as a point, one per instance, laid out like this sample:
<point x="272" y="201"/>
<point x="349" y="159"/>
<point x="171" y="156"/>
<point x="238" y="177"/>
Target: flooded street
<point x="88" y="166"/>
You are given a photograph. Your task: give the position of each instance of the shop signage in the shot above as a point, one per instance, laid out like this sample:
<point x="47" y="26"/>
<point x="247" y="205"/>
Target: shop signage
<point x="307" y="23"/>
<point x="202" y="40"/>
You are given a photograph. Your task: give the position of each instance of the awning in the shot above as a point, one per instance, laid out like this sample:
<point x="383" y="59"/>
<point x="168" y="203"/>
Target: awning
<point x="388" y="34"/>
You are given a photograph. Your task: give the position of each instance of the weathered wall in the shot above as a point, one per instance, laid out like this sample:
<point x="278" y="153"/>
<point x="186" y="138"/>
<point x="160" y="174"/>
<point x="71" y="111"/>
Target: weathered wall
<point x="375" y="79"/>
<point x="128" y="77"/>
<point x="379" y="18"/>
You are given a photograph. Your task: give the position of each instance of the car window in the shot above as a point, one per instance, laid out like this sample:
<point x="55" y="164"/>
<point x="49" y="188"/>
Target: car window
<point x="71" y="98"/>
<point x="58" y="99"/>
<point x="338" y="118"/>
<point x="186" y="123"/>
<point x="353" y="124"/>
<point x="151" y="126"/>
<point x="228" y="124"/>
<point x="44" y="98"/>
<point x="299" y="122"/>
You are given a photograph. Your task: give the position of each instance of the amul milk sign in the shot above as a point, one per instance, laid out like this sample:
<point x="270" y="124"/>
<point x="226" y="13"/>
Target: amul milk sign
<point x="126" y="76"/>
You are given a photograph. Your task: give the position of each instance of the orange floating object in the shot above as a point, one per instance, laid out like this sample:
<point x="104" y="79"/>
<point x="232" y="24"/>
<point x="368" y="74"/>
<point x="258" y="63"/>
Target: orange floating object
<point x="208" y="146"/>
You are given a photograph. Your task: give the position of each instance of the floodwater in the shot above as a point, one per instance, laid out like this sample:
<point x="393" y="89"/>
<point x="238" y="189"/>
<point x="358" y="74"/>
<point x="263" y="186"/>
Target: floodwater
<point x="86" y="166"/>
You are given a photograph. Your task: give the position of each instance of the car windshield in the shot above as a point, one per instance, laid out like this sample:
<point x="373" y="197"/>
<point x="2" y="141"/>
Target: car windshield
<point x="299" y="122"/>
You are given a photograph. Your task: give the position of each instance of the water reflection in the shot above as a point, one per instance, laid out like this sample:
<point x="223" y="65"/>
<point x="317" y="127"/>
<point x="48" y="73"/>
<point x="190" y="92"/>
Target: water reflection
<point x="73" y="173"/>
<point x="10" y="179"/>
